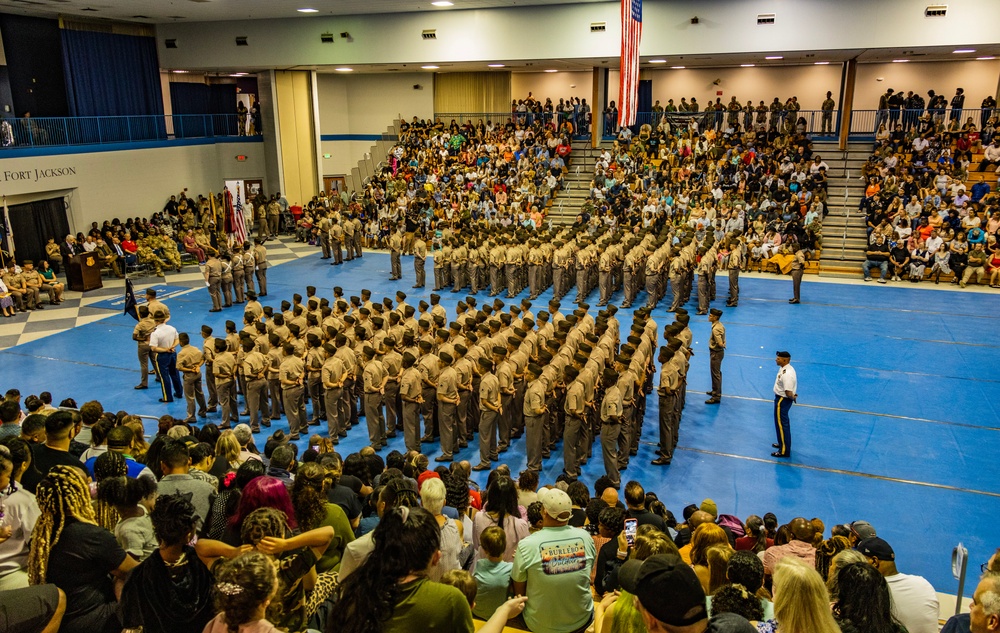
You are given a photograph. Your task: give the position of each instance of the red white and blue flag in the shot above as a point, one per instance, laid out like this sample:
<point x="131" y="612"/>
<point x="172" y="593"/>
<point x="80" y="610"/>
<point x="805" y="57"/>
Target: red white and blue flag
<point x="628" y="91"/>
<point x="235" y="223"/>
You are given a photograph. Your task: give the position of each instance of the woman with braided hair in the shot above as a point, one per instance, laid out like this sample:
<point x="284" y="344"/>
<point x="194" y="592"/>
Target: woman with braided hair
<point x="88" y="554"/>
<point x="107" y="466"/>
<point x="133" y="499"/>
<point x="314" y="510"/>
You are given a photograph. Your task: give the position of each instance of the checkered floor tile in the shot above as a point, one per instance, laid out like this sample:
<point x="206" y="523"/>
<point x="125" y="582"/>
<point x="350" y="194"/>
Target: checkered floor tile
<point x="74" y="310"/>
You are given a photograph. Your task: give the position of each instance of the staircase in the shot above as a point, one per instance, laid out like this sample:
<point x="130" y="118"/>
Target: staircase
<point x="844" y="232"/>
<point x="576" y="185"/>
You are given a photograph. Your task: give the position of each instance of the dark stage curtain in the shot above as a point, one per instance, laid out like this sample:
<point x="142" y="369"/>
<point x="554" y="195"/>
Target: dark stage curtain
<point x="110" y="75"/>
<point x="34" y="223"/>
<point x="196" y="106"/>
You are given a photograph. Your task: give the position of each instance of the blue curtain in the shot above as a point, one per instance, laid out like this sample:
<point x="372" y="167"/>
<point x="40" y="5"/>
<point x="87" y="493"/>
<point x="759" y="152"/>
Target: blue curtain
<point x="111" y="75"/>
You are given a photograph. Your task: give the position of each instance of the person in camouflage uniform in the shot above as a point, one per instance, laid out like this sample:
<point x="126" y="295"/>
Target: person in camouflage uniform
<point x="146" y="252"/>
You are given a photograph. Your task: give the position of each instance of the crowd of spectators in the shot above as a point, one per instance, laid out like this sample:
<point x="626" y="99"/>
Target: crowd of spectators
<point x="762" y="179"/>
<point x="317" y="541"/>
<point x="929" y="204"/>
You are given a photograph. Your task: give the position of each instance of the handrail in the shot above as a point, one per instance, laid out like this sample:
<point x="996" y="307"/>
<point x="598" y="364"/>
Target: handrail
<point x="100" y="130"/>
<point x="847" y="213"/>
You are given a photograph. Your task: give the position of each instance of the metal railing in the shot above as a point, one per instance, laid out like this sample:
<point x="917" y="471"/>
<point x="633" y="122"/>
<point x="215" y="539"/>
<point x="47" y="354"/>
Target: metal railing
<point x="100" y="130"/>
<point x="863" y="123"/>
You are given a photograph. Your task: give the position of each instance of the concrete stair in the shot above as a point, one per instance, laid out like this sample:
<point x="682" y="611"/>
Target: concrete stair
<point x="576" y="186"/>
<point x="844" y="229"/>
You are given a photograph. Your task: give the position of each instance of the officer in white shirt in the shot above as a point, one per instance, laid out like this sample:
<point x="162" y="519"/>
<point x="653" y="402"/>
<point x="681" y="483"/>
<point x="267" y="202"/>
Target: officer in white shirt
<point x="163" y="343"/>
<point x="784" y="395"/>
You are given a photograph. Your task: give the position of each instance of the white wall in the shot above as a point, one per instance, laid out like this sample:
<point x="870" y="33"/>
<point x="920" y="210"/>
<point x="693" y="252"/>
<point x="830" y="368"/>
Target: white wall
<point x="131" y="182"/>
<point x="557" y="86"/>
<point x="366" y="104"/>
<point x="563" y="32"/>
<point x="977" y="78"/>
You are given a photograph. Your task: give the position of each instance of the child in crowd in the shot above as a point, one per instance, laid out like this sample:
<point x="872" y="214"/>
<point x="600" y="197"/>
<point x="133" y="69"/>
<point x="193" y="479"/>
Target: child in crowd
<point x="492" y="574"/>
<point x="133" y="499"/>
<point x="534" y="517"/>
<point x="463" y="581"/>
<point x="246" y="585"/>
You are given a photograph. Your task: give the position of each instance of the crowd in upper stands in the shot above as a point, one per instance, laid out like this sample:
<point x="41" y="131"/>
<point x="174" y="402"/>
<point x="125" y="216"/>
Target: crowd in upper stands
<point x="930" y="203"/>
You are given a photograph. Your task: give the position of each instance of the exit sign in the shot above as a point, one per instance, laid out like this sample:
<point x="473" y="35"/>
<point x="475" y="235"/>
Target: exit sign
<point x="241" y="157"/>
<point x="327" y="155"/>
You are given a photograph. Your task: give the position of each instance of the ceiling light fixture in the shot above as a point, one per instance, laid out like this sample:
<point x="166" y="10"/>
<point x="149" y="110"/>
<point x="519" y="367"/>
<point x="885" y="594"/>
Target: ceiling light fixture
<point x="677" y="67"/>
<point x="822" y="63"/>
<point x="773" y="57"/>
<point x="900" y="61"/>
<point x="986" y="58"/>
<point x="746" y="65"/>
<point x="443" y="3"/>
<point x="430" y="67"/>
<point x="964" y="50"/>
<point x="551" y="70"/>
<point x="180" y="71"/>
<point x="495" y="65"/>
<point x="308" y="10"/>
<point x="344" y="69"/>
<point x="657" y="61"/>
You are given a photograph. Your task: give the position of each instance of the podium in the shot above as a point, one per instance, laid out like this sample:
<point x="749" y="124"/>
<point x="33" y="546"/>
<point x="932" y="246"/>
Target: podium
<point x="84" y="272"/>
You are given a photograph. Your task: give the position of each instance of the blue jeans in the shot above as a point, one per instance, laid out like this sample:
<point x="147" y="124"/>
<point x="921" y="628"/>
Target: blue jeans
<point x="869" y="264"/>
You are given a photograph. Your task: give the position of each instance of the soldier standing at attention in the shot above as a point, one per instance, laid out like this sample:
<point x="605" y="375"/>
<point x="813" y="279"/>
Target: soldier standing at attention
<point x="735" y="264"/>
<point x="163" y="344"/>
<point x="324" y="235"/>
<point x="798" y="267"/>
<point x="273" y="214"/>
<point x="238" y="272"/>
<point x="213" y="277"/>
<point x="224" y="369"/>
<point x="534" y="410"/>
<point x="140" y="335"/>
<point x="447" y="399"/>
<point x="154" y="304"/>
<point x="290" y="373"/>
<point x="337" y="242"/>
<point x="785" y="386"/>
<point x="419" y="259"/>
<point x="410" y="392"/>
<point x="249" y="266"/>
<point x="489" y="400"/>
<point x="358" y="233"/>
<point x="827" y="108"/>
<point x="227" y="280"/>
<point x="716" y="351"/>
<point x="612" y="407"/>
<point x="254" y="368"/>
<point x="260" y="263"/>
<point x="348" y="237"/>
<point x="395" y="250"/>
<point x="189" y="361"/>
<point x="208" y="355"/>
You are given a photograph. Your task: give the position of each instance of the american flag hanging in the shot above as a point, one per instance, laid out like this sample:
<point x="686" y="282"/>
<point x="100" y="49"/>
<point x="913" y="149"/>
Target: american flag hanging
<point x="239" y="222"/>
<point x="628" y="91"/>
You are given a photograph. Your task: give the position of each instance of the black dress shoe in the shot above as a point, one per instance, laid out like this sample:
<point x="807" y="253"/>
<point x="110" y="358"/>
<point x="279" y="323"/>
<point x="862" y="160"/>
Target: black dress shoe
<point x="779" y="454"/>
<point x="778" y="446"/>
<point x="162" y="400"/>
<point x="216" y="310"/>
<point x="140" y="387"/>
<point x="481" y="467"/>
<point x="444" y="458"/>
<point x="793" y="301"/>
<point x="661" y="461"/>
<point x="713" y="401"/>
<point x="426" y="438"/>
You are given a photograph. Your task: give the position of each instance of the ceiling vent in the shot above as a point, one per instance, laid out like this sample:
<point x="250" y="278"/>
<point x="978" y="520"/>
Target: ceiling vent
<point x="242" y="41"/>
<point x="429" y="34"/>
<point x="326" y="38"/>
<point x="170" y="43"/>
<point x="765" y="18"/>
<point x="598" y="27"/>
<point x="936" y="11"/>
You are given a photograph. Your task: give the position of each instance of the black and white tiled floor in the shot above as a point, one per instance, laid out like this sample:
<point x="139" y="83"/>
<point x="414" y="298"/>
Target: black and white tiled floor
<point x="75" y="311"/>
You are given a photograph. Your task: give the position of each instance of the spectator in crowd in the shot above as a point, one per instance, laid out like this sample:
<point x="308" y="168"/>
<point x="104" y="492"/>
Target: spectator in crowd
<point x="552" y="568"/>
<point x="800" y="546"/>
<point x="863" y="601"/>
<point x="914" y="601"/>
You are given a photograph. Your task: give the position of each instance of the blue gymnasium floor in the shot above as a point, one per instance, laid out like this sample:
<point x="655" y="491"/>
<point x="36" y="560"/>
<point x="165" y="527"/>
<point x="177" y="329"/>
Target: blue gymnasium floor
<point x="897" y="421"/>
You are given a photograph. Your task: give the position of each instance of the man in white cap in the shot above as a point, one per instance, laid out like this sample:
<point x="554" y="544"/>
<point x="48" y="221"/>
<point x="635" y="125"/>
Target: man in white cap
<point x="552" y="568"/>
